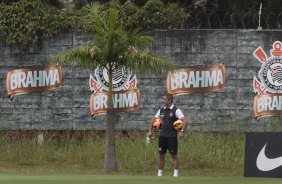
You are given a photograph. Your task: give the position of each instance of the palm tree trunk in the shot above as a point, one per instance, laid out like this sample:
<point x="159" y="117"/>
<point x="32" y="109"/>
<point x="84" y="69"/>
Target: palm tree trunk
<point x="110" y="163"/>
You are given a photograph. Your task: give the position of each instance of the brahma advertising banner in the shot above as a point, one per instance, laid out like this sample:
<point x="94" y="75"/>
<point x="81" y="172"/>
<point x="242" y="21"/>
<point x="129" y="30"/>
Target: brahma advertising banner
<point x="126" y="95"/>
<point x="268" y="87"/>
<point x="263" y="154"/>
<point x="27" y="80"/>
<point x="196" y="79"/>
<point x="124" y="101"/>
<point x="268" y="105"/>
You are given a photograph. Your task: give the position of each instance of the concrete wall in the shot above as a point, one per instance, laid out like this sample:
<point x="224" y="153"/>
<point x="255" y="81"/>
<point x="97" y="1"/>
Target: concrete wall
<point x="68" y="108"/>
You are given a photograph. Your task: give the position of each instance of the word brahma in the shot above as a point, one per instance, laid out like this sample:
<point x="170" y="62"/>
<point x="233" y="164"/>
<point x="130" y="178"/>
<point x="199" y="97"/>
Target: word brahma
<point x="123" y="101"/>
<point x="41" y="78"/>
<point x="27" y="80"/>
<point x="120" y="100"/>
<point x="194" y="79"/>
<point x="269" y="103"/>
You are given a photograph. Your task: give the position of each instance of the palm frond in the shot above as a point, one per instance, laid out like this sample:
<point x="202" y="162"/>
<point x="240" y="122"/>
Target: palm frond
<point x="93" y="19"/>
<point x="113" y="41"/>
<point x="149" y="63"/>
<point x="81" y="56"/>
<point x="136" y="37"/>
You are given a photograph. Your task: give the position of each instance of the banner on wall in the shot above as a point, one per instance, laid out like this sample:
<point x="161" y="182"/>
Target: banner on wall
<point x="27" y="80"/>
<point x="124" y="101"/>
<point x="196" y="79"/>
<point x="126" y="95"/>
<point x="268" y="85"/>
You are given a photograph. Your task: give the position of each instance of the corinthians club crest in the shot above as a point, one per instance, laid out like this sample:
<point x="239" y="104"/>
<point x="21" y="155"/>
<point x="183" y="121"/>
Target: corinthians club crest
<point x="268" y="101"/>
<point x="271" y="75"/>
<point x="122" y="80"/>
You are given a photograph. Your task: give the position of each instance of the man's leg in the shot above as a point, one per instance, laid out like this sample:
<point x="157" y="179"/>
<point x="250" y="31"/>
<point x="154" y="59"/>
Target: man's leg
<point x="175" y="164"/>
<point x="162" y="161"/>
<point x="172" y="146"/>
<point x="174" y="161"/>
<point x="162" y="152"/>
<point x="161" y="164"/>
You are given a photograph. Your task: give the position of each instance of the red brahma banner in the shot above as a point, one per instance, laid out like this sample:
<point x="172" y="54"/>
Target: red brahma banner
<point x="196" y="79"/>
<point x="27" y="80"/>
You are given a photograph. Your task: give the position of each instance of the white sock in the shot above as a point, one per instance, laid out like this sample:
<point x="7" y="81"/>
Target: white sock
<point x="175" y="172"/>
<point x="160" y="172"/>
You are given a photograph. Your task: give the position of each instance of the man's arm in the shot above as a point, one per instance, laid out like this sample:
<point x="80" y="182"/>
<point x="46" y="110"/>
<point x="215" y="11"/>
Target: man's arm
<point x="181" y="132"/>
<point x="180" y="116"/>
<point x="151" y="124"/>
<point x="185" y="123"/>
<point x="151" y="127"/>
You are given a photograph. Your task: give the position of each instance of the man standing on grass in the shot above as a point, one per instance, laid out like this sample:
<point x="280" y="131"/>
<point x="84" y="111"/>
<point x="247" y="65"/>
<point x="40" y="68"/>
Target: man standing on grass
<point x="168" y="135"/>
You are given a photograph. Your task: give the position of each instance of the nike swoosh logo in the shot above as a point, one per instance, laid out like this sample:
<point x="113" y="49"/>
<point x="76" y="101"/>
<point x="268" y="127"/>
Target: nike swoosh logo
<point x="267" y="164"/>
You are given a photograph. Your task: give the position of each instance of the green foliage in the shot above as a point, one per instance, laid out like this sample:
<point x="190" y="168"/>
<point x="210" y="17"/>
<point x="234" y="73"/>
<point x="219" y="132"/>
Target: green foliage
<point x="111" y="43"/>
<point x="174" y="17"/>
<point x="154" y="15"/>
<point x="154" y="6"/>
<point x="8" y="1"/>
<point x="127" y="14"/>
<point x="148" y="16"/>
<point x="26" y="22"/>
<point x="55" y="3"/>
<point x="81" y="3"/>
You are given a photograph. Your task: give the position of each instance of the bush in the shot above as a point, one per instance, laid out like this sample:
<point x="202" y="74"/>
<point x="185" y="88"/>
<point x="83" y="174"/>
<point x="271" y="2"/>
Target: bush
<point x="26" y="22"/>
<point x="174" y="17"/>
<point x="152" y="12"/>
<point x="155" y="15"/>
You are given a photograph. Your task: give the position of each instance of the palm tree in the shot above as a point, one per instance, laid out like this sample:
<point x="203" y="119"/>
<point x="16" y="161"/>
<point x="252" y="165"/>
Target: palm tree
<point x="110" y="49"/>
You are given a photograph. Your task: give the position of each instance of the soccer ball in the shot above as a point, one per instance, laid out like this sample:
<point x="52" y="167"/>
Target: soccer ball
<point x="157" y="123"/>
<point x="178" y="124"/>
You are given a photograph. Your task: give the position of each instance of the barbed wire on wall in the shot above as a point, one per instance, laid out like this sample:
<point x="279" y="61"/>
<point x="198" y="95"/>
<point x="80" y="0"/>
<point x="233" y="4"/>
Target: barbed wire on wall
<point x="233" y="20"/>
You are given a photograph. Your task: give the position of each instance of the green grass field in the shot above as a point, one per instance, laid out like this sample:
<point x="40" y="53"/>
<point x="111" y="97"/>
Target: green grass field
<point x="121" y="179"/>
<point x="206" y="158"/>
<point x="200" y="154"/>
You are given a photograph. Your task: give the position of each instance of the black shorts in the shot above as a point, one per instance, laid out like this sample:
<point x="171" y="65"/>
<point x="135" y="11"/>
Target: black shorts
<point x="168" y="143"/>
